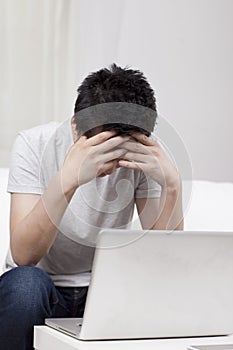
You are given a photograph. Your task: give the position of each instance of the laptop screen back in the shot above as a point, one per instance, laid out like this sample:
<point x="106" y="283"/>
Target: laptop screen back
<point x="159" y="284"/>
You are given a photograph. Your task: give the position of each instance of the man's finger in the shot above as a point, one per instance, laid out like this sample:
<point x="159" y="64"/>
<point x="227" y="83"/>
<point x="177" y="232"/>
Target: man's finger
<point x="135" y="146"/>
<point x="130" y="165"/>
<point x="101" y="137"/>
<point x="115" y="154"/>
<point x="108" y="168"/>
<point x="144" y="139"/>
<point x="111" y="143"/>
<point x="135" y="157"/>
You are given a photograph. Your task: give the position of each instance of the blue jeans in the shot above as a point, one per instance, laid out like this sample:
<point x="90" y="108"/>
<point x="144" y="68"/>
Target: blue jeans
<point x="28" y="296"/>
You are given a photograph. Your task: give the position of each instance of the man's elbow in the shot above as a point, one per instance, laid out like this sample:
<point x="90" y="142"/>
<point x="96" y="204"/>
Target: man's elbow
<point x="22" y="260"/>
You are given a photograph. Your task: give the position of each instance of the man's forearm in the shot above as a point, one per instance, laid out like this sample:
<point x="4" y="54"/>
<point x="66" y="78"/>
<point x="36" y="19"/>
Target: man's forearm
<point x="170" y="211"/>
<point x="35" y="234"/>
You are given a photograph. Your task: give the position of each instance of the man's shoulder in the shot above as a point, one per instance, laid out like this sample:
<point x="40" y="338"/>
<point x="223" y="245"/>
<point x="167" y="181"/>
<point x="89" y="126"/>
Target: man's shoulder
<point x="39" y="132"/>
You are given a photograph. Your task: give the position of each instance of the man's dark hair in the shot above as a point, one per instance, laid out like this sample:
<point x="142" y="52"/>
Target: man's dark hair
<point x="115" y="84"/>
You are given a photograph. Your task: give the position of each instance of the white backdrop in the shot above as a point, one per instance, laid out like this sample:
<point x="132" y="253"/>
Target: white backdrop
<point x="184" y="47"/>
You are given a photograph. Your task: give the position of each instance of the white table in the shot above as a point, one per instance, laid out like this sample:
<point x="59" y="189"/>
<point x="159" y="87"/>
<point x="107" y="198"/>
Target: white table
<point x="47" y="338"/>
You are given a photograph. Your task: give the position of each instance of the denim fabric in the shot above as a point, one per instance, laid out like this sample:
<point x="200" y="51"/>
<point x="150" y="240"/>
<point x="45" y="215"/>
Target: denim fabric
<point x="28" y="296"/>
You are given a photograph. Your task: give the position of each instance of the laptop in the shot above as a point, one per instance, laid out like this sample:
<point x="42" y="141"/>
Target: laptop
<point x="157" y="284"/>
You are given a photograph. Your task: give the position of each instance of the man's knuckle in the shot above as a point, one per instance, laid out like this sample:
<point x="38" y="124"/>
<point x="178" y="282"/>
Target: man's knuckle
<point x="105" y="135"/>
<point x="118" y="153"/>
<point x="97" y="161"/>
<point x="102" y="136"/>
<point x="99" y="166"/>
<point x="130" y="154"/>
<point x="113" y="142"/>
<point x="100" y="139"/>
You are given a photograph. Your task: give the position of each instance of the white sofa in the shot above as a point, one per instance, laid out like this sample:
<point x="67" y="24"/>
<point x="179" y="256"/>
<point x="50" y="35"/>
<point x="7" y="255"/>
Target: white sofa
<point x="210" y="208"/>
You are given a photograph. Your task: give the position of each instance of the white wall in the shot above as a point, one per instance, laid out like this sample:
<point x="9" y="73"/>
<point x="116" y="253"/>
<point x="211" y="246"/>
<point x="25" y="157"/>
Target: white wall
<point x="185" y="48"/>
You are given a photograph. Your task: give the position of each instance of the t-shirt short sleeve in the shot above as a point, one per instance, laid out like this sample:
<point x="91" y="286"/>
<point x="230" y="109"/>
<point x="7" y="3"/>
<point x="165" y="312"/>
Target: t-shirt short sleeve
<point x="24" y="174"/>
<point x="147" y="188"/>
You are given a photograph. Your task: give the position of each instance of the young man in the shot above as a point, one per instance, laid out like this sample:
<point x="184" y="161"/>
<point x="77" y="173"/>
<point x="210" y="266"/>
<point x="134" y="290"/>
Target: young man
<point x="67" y="181"/>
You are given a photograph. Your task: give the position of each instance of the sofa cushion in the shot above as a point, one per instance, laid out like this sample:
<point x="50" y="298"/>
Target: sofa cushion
<point x="210" y="207"/>
<point x="207" y="206"/>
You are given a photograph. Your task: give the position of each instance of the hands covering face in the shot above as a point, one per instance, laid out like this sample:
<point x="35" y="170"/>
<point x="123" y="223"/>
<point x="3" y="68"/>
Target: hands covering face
<point x="90" y="158"/>
<point x="103" y="153"/>
<point x="145" y="154"/>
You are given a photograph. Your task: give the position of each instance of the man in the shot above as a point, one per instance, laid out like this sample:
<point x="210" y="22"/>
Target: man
<point x="69" y="180"/>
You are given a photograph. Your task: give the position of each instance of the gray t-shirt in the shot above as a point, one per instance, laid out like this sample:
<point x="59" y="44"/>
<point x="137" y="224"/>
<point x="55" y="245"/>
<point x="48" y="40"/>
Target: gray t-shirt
<point x="105" y="202"/>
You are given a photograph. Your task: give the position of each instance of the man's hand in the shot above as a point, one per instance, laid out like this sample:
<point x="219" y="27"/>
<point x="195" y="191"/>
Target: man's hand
<point x="147" y="155"/>
<point x="90" y="158"/>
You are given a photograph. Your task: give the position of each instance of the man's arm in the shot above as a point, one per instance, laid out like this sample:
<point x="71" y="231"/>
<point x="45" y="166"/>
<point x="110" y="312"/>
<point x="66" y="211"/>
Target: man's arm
<point x="163" y="213"/>
<point x="34" y="218"/>
<point x="147" y="155"/>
